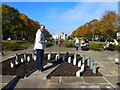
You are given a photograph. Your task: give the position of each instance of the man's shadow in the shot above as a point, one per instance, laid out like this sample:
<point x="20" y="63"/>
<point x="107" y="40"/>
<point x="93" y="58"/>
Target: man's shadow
<point x="51" y="66"/>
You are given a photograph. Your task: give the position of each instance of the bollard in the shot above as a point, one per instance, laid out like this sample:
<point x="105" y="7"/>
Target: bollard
<point x="58" y="55"/>
<point x="25" y="56"/>
<point x="16" y="57"/>
<point x="11" y="64"/>
<point x="35" y="57"/>
<point x="83" y="59"/>
<point x="74" y="61"/>
<point x="95" y="68"/>
<point x="91" y="64"/>
<point x="79" y="64"/>
<point x="49" y="57"/>
<point x="63" y="58"/>
<point x="16" y="62"/>
<point x="32" y="55"/>
<point x="22" y="60"/>
<point x="28" y="58"/>
<point x="88" y="61"/>
<point x="69" y="60"/>
<point x="75" y="55"/>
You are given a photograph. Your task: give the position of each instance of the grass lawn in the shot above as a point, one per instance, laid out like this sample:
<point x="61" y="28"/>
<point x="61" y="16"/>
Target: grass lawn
<point x="15" y="44"/>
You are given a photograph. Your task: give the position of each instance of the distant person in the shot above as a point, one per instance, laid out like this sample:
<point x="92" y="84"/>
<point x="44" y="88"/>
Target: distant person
<point x="115" y="42"/>
<point x="82" y="42"/>
<point x="59" y="42"/>
<point x="109" y="46"/>
<point x="56" y="41"/>
<point x="40" y="44"/>
<point x="76" y="43"/>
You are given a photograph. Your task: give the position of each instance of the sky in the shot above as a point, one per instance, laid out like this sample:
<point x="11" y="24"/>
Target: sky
<point x="63" y="16"/>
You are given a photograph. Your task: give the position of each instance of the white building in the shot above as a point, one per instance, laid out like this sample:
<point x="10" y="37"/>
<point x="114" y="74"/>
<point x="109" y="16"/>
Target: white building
<point x="118" y="35"/>
<point x="60" y="35"/>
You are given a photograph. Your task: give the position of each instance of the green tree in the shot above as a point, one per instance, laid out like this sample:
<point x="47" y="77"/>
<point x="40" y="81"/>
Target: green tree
<point x="11" y="23"/>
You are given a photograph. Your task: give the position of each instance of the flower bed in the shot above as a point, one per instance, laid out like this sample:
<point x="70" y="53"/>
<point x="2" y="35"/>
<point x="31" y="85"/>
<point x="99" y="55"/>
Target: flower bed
<point x="64" y="69"/>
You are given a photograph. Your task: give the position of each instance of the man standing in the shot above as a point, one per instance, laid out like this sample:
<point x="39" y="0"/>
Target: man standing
<point x="39" y="46"/>
<point x="76" y="43"/>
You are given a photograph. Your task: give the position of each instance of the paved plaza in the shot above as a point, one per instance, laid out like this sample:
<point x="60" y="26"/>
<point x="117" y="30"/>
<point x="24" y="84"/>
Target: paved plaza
<point x="104" y="59"/>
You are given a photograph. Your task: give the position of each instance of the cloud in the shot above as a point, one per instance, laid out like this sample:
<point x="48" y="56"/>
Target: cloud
<point x="80" y="14"/>
<point x="83" y="11"/>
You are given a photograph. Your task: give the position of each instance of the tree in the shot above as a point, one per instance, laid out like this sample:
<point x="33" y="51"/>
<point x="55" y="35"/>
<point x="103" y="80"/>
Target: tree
<point x="11" y="23"/>
<point x="106" y="27"/>
<point x="110" y="20"/>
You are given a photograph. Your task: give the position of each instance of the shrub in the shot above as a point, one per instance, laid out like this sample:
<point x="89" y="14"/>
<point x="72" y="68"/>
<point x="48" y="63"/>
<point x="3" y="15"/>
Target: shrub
<point x="10" y="46"/>
<point x="117" y="48"/>
<point x="49" y="43"/>
<point x="67" y="43"/>
<point x="96" y="47"/>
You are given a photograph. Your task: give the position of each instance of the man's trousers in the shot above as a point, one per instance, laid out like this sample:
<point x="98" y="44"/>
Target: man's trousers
<point x="40" y="58"/>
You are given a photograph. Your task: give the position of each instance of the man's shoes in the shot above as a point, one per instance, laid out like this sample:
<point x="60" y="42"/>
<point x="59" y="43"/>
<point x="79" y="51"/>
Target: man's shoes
<point x="42" y="69"/>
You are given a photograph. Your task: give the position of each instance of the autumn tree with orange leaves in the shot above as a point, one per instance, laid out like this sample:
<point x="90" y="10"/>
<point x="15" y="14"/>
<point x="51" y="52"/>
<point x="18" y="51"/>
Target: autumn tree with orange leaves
<point x="19" y="24"/>
<point x="106" y="27"/>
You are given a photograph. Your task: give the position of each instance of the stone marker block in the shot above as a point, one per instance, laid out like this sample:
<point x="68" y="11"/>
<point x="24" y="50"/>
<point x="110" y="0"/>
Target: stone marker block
<point x="95" y="68"/>
<point x="79" y="64"/>
<point x="82" y="67"/>
<point x="69" y="60"/>
<point x="74" y="61"/>
<point x="75" y="55"/>
<point x="83" y="59"/>
<point x="16" y="62"/>
<point x="91" y="64"/>
<point x="11" y="64"/>
<point x="25" y="56"/>
<point x="49" y="56"/>
<point x="56" y="57"/>
<point x="88" y="61"/>
<point x="32" y="55"/>
<point x="16" y="57"/>
<point x="63" y="58"/>
<point x="78" y="73"/>
<point x="35" y="57"/>
<point x="28" y="58"/>
<point x="22" y="60"/>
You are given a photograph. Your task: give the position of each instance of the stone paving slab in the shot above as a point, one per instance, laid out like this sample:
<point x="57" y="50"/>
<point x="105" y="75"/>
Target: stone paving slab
<point x="55" y="79"/>
<point x="105" y="72"/>
<point x="72" y="80"/>
<point x="2" y="85"/>
<point x="6" y="79"/>
<point x="60" y="85"/>
<point x="92" y="79"/>
<point x="113" y="80"/>
<point x="32" y="83"/>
